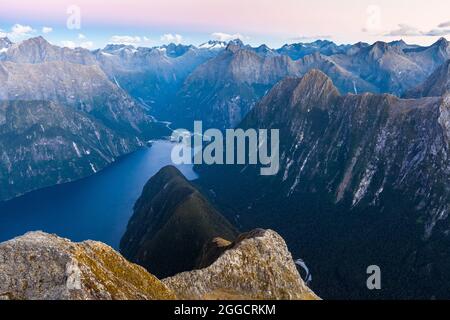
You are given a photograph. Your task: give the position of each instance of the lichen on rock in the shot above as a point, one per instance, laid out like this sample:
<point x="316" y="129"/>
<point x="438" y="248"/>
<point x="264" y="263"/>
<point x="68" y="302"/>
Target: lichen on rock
<point x="40" y="266"/>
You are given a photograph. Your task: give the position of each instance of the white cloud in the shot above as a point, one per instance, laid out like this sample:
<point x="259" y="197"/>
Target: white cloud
<point x="444" y="24"/>
<point x="405" y="30"/>
<point x="69" y="44"/>
<point x="87" y="45"/>
<point x="172" y="38"/>
<point x="20" y="31"/>
<point x="81" y="36"/>
<point x="47" y="29"/>
<point x="221" y="36"/>
<point x="128" y="40"/>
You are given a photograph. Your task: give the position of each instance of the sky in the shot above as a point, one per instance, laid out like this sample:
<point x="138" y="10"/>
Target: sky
<point x="94" y="23"/>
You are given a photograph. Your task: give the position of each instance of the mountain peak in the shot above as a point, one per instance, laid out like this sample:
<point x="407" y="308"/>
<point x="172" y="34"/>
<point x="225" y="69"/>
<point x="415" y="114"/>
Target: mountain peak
<point x="237" y="42"/>
<point x="314" y="89"/>
<point x="213" y="44"/>
<point x="235" y="45"/>
<point x="442" y="42"/>
<point x="174" y="222"/>
<point x="38" y="40"/>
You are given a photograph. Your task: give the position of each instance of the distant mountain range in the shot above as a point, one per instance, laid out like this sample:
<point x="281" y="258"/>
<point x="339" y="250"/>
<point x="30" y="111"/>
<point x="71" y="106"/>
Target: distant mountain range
<point x="124" y="88"/>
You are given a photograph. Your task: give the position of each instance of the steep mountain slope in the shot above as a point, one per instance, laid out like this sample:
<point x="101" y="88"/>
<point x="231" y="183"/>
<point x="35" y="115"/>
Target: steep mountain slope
<point x="39" y="266"/>
<point x="363" y="180"/>
<point x="171" y="224"/>
<point x="62" y="118"/>
<point x="432" y="57"/>
<point x="43" y="143"/>
<point x="84" y="88"/>
<point x="257" y="265"/>
<point x="435" y="86"/>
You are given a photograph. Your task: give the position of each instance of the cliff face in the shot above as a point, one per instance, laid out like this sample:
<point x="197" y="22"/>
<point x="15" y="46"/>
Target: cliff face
<point x="171" y="223"/>
<point x="257" y="265"/>
<point x="44" y="143"/>
<point x="358" y="173"/>
<point x="46" y="267"/>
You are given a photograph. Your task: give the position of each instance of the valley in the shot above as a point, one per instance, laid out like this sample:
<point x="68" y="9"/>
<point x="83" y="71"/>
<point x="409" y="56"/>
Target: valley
<point x="363" y="176"/>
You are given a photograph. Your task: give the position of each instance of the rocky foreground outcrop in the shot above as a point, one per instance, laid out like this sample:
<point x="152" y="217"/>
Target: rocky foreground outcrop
<point x="257" y="265"/>
<point x="42" y="266"/>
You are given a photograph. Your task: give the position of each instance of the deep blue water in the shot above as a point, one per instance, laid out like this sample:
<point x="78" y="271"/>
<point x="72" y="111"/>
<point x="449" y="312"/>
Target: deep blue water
<point x="95" y="208"/>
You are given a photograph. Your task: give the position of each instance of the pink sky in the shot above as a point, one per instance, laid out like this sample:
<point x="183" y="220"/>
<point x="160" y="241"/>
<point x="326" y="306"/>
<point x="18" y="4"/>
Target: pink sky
<point x="342" y="20"/>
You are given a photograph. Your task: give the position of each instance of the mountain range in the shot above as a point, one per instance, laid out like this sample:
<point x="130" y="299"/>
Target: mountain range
<point x="364" y="158"/>
<point x="363" y="178"/>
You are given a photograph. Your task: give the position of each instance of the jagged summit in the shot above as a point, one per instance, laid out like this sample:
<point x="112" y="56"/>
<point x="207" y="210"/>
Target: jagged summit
<point x="115" y="47"/>
<point x="257" y="265"/>
<point x="442" y="42"/>
<point x="213" y="44"/>
<point x="315" y="88"/>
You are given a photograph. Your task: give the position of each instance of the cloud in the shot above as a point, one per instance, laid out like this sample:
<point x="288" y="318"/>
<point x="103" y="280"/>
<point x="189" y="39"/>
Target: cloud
<point x="81" y="36"/>
<point x="128" y="40"/>
<point x="404" y="30"/>
<point x="437" y="32"/>
<point x="444" y="24"/>
<point x="20" y="31"/>
<point x="47" y="29"/>
<point x="68" y="44"/>
<point x="172" y="38"/>
<point x="87" y="45"/>
<point x="221" y="36"/>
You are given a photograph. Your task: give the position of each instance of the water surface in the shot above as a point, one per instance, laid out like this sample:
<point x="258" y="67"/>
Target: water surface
<point x="96" y="208"/>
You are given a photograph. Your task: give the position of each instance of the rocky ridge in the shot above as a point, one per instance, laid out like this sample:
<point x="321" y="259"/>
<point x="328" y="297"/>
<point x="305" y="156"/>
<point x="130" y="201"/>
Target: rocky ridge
<point x="257" y="265"/>
<point x="40" y="266"/>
